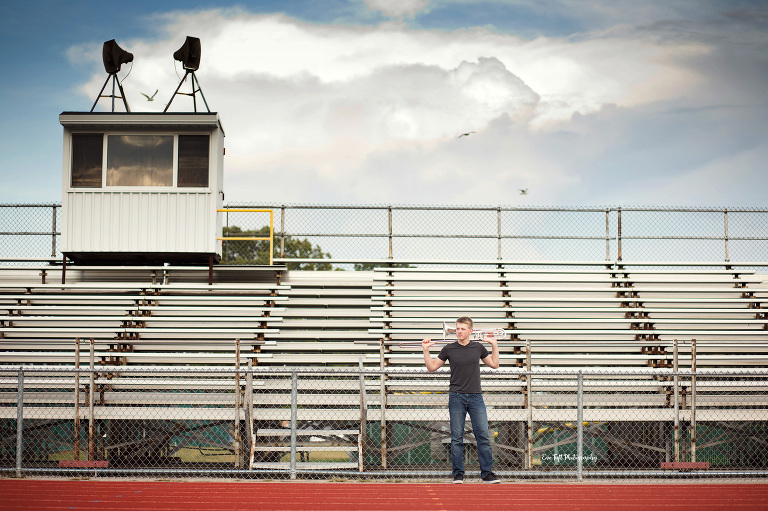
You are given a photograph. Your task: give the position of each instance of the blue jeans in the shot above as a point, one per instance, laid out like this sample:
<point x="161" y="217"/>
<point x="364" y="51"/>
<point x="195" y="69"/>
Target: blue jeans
<point x="459" y="405"/>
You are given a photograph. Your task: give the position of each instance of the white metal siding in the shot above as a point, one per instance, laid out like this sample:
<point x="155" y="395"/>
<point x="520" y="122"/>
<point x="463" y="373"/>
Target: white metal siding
<point x="100" y="221"/>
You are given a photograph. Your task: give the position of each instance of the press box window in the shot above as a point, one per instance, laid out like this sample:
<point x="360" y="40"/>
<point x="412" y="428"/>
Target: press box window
<point x="87" y="157"/>
<point x="140" y="160"/>
<point x="193" y="160"/>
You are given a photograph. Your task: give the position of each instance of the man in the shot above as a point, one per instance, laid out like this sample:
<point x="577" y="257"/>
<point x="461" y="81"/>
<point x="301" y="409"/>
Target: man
<point x="465" y="395"/>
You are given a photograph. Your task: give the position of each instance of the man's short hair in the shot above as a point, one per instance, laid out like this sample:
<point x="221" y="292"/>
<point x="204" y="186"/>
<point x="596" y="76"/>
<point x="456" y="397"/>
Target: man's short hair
<point x="465" y="320"/>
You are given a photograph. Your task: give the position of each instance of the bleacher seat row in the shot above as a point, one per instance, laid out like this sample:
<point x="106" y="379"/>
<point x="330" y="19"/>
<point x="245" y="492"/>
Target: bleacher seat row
<point x="573" y="314"/>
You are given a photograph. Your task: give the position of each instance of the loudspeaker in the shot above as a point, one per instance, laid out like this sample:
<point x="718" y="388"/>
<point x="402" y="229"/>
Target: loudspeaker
<point x="189" y="53"/>
<point x="114" y="56"/>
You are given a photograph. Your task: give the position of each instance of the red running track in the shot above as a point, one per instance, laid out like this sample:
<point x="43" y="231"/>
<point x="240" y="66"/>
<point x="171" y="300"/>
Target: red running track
<point x="39" y="495"/>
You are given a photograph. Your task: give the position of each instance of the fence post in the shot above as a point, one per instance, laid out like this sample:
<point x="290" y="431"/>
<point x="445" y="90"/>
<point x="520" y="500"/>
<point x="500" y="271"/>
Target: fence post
<point x="53" y="233"/>
<point x="693" y="400"/>
<point x="77" y="398"/>
<point x="249" y="407"/>
<point x="19" y="421"/>
<point x="498" y="230"/>
<point x="580" y="426"/>
<point x="282" y="230"/>
<point x="727" y="257"/>
<point x="607" y="234"/>
<point x="389" y="210"/>
<point x="236" y="432"/>
<point x="618" y="234"/>
<point x="361" y="437"/>
<point x="91" y="419"/>
<point x="529" y="406"/>
<point x="677" y="401"/>
<point x="294" y="417"/>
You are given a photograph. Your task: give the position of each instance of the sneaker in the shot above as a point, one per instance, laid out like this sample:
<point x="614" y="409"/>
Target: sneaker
<point x="458" y="479"/>
<point x="491" y="478"/>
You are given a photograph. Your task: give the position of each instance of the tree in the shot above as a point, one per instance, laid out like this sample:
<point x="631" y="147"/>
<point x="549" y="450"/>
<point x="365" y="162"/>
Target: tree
<point x="371" y="266"/>
<point x="257" y="252"/>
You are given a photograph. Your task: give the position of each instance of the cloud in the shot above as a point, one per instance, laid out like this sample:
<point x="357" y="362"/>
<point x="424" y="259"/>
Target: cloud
<point x="362" y="114"/>
<point x="398" y="8"/>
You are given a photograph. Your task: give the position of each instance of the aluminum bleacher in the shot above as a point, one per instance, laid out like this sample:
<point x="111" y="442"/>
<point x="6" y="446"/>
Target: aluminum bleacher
<point x="619" y="315"/>
<point x="136" y="315"/>
<point x="559" y="315"/>
<point x="572" y="314"/>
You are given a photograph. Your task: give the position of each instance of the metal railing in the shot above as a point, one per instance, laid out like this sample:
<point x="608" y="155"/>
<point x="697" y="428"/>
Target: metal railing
<point x="388" y="423"/>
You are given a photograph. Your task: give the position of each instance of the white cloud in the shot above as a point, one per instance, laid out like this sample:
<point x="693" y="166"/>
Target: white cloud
<point x="398" y="8"/>
<point x="341" y="113"/>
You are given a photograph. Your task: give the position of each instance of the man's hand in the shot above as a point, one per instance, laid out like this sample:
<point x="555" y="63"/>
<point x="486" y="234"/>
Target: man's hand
<point x="489" y="337"/>
<point x="433" y="364"/>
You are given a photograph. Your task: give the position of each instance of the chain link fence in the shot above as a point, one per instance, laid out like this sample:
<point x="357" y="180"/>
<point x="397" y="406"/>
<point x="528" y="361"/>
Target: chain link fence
<point x="29" y="231"/>
<point x="359" y="233"/>
<point x="416" y="233"/>
<point x="392" y="424"/>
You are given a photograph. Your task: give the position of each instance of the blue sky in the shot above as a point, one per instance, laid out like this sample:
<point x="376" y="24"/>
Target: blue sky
<point x="362" y="101"/>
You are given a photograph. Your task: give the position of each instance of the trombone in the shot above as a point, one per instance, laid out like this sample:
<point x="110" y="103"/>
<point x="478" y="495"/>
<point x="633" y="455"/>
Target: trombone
<point x="478" y="334"/>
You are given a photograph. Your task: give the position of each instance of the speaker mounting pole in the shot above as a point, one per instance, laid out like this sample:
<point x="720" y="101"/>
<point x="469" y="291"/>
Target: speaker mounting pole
<point x="195" y="89"/>
<point x="113" y="76"/>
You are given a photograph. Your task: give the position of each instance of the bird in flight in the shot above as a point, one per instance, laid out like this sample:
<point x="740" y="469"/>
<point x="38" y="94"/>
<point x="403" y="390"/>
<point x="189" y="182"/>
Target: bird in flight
<point x="466" y="134"/>
<point x="150" y="98"/>
<point x="523" y="191"/>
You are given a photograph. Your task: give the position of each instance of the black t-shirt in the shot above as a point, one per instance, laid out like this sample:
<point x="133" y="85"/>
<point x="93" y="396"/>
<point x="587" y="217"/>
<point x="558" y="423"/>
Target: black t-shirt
<point x="465" y="365"/>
